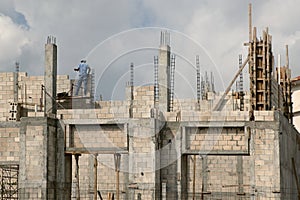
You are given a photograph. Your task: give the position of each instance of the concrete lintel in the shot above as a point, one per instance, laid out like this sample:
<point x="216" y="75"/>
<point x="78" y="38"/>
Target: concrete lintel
<point x="95" y="150"/>
<point x="217" y="153"/>
<point x="93" y="121"/>
<point x="10" y="124"/>
<point x="9" y="163"/>
<point x="213" y="124"/>
<point x="263" y="125"/>
<point x="38" y="121"/>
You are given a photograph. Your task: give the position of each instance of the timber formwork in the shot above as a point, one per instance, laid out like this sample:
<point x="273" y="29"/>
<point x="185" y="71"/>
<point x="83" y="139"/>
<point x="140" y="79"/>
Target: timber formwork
<point x="284" y="80"/>
<point x="260" y="69"/>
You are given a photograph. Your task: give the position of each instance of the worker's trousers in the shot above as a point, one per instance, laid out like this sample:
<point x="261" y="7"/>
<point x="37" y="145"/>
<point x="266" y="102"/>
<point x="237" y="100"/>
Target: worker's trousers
<point x="82" y="79"/>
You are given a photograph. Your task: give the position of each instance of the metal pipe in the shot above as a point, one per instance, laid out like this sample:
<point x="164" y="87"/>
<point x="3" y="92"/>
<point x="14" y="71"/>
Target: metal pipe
<point x="250" y="21"/>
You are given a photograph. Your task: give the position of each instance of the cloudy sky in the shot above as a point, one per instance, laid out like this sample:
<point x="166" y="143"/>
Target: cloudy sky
<point x="111" y="34"/>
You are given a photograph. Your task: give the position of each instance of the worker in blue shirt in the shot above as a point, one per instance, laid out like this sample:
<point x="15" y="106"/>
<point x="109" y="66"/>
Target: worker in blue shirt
<point x="84" y="70"/>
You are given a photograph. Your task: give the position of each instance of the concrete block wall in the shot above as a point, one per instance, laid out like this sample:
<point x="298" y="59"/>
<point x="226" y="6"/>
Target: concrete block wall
<point x="217" y="140"/>
<point x="266" y="162"/>
<point x="29" y="90"/>
<point x="113" y="109"/>
<point x="289" y="148"/>
<point x="100" y="136"/>
<point x="9" y="143"/>
<point x="6" y="94"/>
<point x="259" y="170"/>
<point x="218" y="177"/>
<point x="144" y="101"/>
<point x="39" y="168"/>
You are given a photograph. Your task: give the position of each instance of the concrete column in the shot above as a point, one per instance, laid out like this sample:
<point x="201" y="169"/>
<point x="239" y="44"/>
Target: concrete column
<point x="184" y="181"/>
<point x="39" y="164"/>
<point x="164" y="72"/>
<point x="50" y="76"/>
<point x="239" y="169"/>
<point x="252" y="163"/>
<point x="205" y="174"/>
<point x="68" y="173"/>
<point x="95" y="176"/>
<point x="179" y="156"/>
<point x="142" y="159"/>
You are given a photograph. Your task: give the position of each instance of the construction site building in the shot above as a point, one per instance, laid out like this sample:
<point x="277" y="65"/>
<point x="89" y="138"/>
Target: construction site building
<point x="149" y="146"/>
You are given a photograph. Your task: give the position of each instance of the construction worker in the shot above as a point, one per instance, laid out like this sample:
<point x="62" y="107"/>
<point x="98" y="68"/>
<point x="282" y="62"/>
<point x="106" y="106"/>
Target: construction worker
<point x="84" y="70"/>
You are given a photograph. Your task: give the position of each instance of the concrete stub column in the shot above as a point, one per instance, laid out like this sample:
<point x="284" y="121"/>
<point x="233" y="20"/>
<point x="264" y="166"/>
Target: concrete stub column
<point x="164" y="72"/>
<point x="50" y="76"/>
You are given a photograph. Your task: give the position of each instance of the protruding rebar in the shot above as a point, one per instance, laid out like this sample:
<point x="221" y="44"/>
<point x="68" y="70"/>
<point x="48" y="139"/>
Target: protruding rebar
<point x="156" y="88"/>
<point x="172" y="73"/>
<point x="241" y="84"/>
<point x="198" y="80"/>
<point x="131" y="90"/>
<point x="164" y="38"/>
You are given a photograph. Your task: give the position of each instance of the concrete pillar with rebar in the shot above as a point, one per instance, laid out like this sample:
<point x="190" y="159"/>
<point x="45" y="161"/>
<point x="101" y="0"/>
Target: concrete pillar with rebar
<point x="50" y="76"/>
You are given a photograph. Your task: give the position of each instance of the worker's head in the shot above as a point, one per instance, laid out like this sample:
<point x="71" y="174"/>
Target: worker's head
<point x="83" y="61"/>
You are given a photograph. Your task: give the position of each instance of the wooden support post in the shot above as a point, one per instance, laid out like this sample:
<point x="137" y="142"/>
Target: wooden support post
<point x="194" y="177"/>
<point x="117" y="158"/>
<point x="118" y="185"/>
<point x="77" y="177"/>
<point x="110" y="196"/>
<point x="264" y="74"/>
<point x="287" y="56"/>
<point x="204" y="176"/>
<point x="250" y="21"/>
<point x="95" y="176"/>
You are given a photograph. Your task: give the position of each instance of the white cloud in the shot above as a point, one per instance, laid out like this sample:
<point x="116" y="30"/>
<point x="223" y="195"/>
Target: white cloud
<point x="12" y="39"/>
